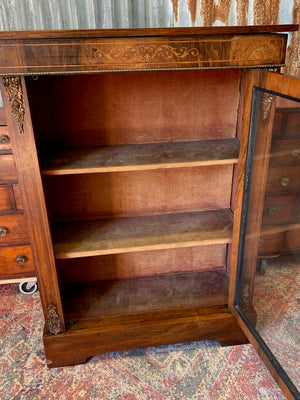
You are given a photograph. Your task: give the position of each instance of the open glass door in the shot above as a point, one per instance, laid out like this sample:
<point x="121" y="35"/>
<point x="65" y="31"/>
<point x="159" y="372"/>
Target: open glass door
<point x="267" y="296"/>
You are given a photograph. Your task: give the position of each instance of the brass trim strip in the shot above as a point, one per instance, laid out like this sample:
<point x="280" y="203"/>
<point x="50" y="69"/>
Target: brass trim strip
<point x="139" y="70"/>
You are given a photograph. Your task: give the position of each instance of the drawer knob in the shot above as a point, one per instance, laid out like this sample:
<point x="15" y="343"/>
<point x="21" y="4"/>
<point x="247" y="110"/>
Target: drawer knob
<point x="295" y="152"/>
<point x="3" y="231"/>
<point x="272" y="210"/>
<point x="285" y="181"/>
<point x="21" y="259"/>
<point x="4" y="139"/>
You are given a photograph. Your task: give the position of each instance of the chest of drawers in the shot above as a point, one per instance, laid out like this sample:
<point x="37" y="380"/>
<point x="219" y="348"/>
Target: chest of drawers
<point x="281" y="204"/>
<point x="16" y="263"/>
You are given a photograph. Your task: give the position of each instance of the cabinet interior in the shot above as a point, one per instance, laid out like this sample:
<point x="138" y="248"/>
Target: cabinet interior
<point x="137" y="171"/>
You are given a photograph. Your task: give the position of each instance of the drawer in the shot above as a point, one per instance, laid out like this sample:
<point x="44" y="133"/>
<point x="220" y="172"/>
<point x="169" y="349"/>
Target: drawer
<point x="283" y="180"/>
<point x="4" y="138"/>
<point x="277" y="125"/>
<point x="13" y="229"/>
<point x="278" y="210"/>
<point x="5" y="198"/>
<point x="16" y="260"/>
<point x="18" y="198"/>
<point x="7" y="168"/>
<point x="271" y="240"/>
<point x="293" y="238"/>
<point x="286" y="152"/>
<point x="293" y="123"/>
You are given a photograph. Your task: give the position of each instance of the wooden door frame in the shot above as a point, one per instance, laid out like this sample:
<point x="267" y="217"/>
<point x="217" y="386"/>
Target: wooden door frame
<point x="13" y="89"/>
<point x="277" y="84"/>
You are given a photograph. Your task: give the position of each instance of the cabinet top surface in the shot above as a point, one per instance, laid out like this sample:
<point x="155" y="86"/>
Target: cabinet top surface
<point x="144" y="32"/>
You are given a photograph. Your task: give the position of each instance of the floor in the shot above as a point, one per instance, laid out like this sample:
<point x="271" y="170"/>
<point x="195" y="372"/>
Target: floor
<point x="199" y="370"/>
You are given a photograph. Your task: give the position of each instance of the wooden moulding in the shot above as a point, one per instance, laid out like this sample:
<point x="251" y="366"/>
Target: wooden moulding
<point x="15" y="278"/>
<point x="84" y="339"/>
<point x="142" y="157"/>
<point x="82" y="239"/>
<point x="136" y="32"/>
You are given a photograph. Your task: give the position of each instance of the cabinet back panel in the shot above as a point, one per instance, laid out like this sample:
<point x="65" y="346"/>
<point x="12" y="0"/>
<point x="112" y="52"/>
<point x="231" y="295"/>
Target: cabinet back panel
<point x="120" y="108"/>
<point x="146" y="263"/>
<point x="120" y="194"/>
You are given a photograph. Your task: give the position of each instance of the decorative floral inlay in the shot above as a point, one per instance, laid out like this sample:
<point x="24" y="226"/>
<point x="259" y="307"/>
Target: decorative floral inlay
<point x="267" y="103"/>
<point x="151" y="53"/>
<point x="13" y="88"/>
<point x="245" y="302"/>
<point x="54" y="325"/>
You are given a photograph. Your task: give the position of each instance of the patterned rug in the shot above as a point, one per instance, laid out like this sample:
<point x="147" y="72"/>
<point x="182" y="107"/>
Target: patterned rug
<point x="198" y="370"/>
<point x="277" y="302"/>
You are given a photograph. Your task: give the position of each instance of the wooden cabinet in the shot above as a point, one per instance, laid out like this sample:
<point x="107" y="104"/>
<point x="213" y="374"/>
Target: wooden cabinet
<point x="16" y="264"/>
<point x="130" y="148"/>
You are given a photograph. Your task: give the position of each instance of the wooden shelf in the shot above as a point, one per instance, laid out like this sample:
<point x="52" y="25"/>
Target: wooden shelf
<point x="93" y="238"/>
<point x="134" y="157"/>
<point x="146" y="294"/>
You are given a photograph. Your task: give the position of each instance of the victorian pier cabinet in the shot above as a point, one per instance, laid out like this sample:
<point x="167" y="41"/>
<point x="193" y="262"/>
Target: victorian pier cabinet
<point x="136" y="160"/>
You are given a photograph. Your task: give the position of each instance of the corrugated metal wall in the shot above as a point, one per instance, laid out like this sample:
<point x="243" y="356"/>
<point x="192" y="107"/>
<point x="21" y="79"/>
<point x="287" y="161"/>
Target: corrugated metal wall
<point x="89" y="14"/>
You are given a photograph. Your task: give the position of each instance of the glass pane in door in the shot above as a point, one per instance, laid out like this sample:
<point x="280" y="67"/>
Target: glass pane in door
<point x="269" y="254"/>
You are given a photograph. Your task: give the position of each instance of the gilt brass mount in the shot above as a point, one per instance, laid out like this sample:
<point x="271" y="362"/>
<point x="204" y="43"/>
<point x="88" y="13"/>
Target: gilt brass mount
<point x="14" y="91"/>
